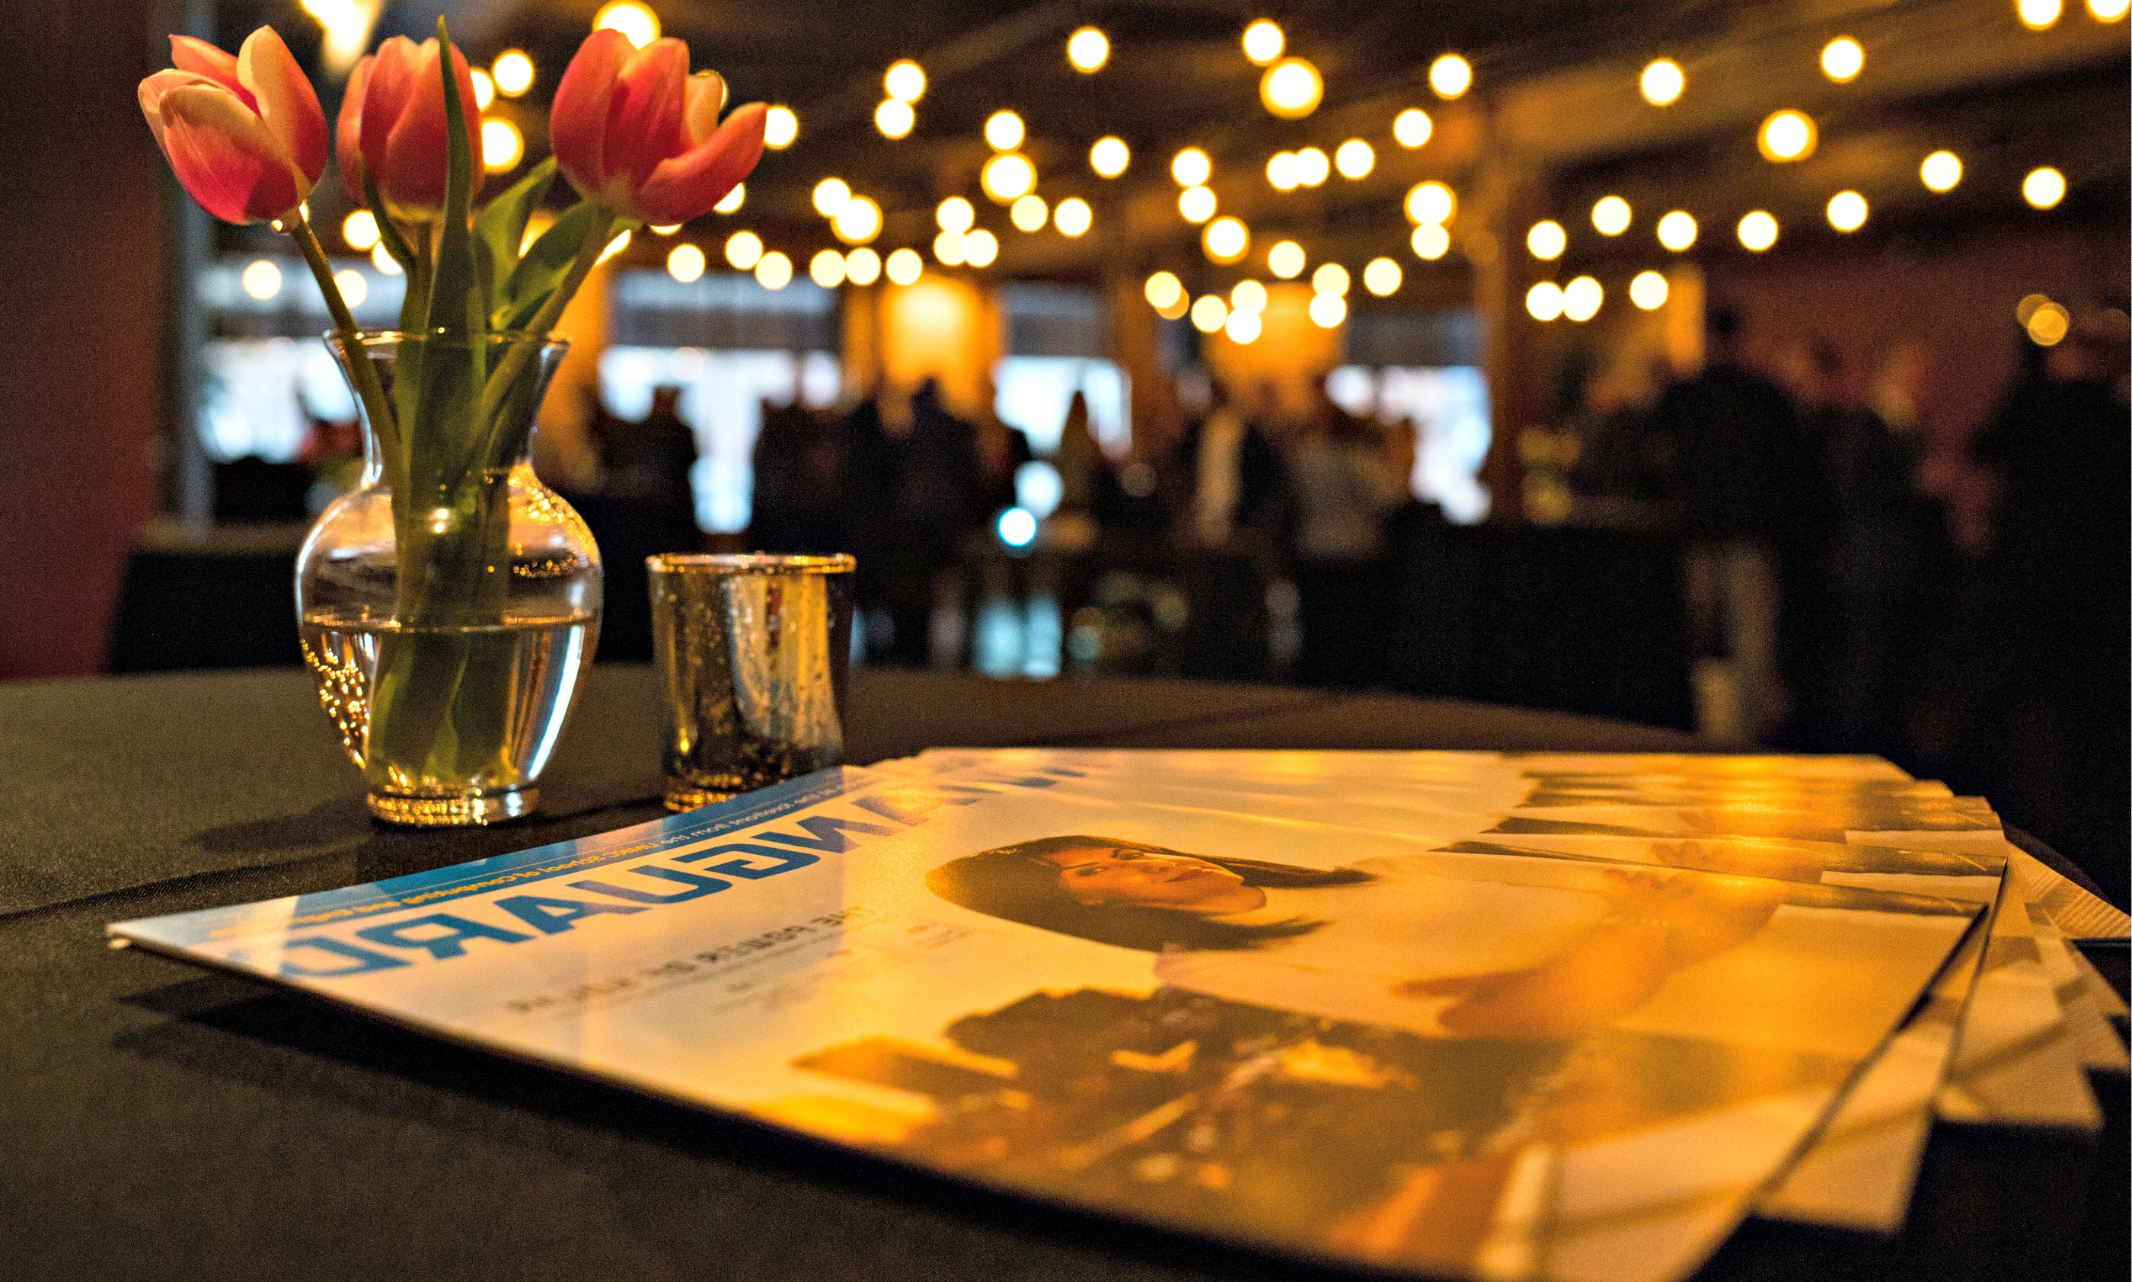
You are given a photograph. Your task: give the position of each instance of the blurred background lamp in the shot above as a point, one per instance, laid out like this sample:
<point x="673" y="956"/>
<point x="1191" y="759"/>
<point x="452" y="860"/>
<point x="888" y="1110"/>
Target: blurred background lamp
<point x="862" y="266"/>
<point x="685" y="263"/>
<point x="1662" y="82"/>
<point x="1431" y="241"/>
<point x="1758" y="231"/>
<point x="1007" y="177"/>
<point x="1163" y="289"/>
<point x="1226" y="240"/>
<point x="2043" y="187"/>
<point x="1072" y="216"/>
<point x="1038" y="487"/>
<point x="1248" y="296"/>
<point x="894" y="118"/>
<point x="2038" y="14"/>
<point x="1786" y="135"/>
<point x="1450" y="76"/>
<point x="1281" y="171"/>
<point x="360" y="229"/>
<point x="1004" y="130"/>
<point x="1846" y="211"/>
<point x="484" y="88"/>
<point x="1327" y="311"/>
<point x="979" y="248"/>
<point x="858" y="222"/>
<point x="1243" y="327"/>
<point x="2027" y="307"/>
<point x="1087" y="49"/>
<point x="384" y="261"/>
<point x="826" y="269"/>
<point x="1191" y="167"/>
<point x="1411" y="128"/>
<point x="903" y="266"/>
<point x="2048" y="324"/>
<point x="905" y="81"/>
<point x="1611" y="215"/>
<point x="1197" y="204"/>
<point x="1354" y="159"/>
<point x="1029" y="213"/>
<point x="1581" y="298"/>
<point x="1017" y="527"/>
<point x="354" y="289"/>
<point x="773" y="270"/>
<point x="1311" y="167"/>
<point x="1543" y="302"/>
<point x="742" y="249"/>
<point x="1648" y="291"/>
<point x="1330" y="278"/>
<point x="1842" y="59"/>
<point x="665" y="229"/>
<point x="731" y="201"/>
<point x="1286" y="260"/>
<point x="632" y="19"/>
<point x="1941" y="171"/>
<point x="1209" y="313"/>
<point x="948" y="248"/>
<point x="262" y="279"/>
<point x="2108" y="10"/>
<point x="1263" y="42"/>
<point x="1676" y="231"/>
<point x="1291" y="88"/>
<point x="830" y="196"/>
<point x="779" y="128"/>
<point x="1109" y="157"/>
<point x="1381" y="277"/>
<point x="955" y="214"/>
<point x="1430" y="202"/>
<point x="1546" y="240"/>
<point x="502" y="147"/>
<point x="513" y="73"/>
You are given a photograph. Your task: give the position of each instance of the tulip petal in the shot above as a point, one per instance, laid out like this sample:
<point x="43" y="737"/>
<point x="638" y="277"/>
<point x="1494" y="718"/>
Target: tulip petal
<point x="204" y="59"/>
<point x="226" y="157"/>
<point x="385" y="94"/>
<point x="686" y="186"/>
<point x="577" y="126"/>
<point x="285" y="99"/>
<point x="417" y="151"/>
<point x="348" y="134"/>
<point x="151" y="97"/>
<point x="644" y="124"/>
<point x="705" y="98"/>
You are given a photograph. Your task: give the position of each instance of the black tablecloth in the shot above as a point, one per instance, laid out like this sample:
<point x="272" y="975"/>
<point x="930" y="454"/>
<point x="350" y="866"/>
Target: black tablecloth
<point x="160" y="1122"/>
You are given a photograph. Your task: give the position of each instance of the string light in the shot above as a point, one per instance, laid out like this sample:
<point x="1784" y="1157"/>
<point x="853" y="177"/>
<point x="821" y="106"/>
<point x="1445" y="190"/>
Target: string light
<point x="360" y="229"/>
<point x="956" y="215"/>
<point x="979" y="248"/>
<point x="1087" y="49"/>
<point x="1431" y="241"/>
<point x="831" y="195"/>
<point x="2039" y="14"/>
<point x="743" y="249"/>
<point x="1243" y="327"/>
<point x="1846" y="211"/>
<point x="1291" y="88"/>
<point x="1581" y="298"/>
<point x="731" y="201"/>
<point x="1327" y="311"/>
<point x="1842" y="59"/>
<point x="1004" y="130"/>
<point x="903" y="267"/>
<point x="615" y="246"/>
<point x="1786" y="135"/>
<point x="1412" y="127"/>
<point x="636" y="22"/>
<point x="353" y="288"/>
<point x="1226" y="240"/>
<point x="1286" y="260"/>
<point x="1546" y="240"/>
<point x="904" y="81"/>
<point x="1029" y="213"/>
<point x="1007" y="177"/>
<point x="894" y="118"/>
<point x="949" y="248"/>
<point x="1662" y="82"/>
<point x="1543" y="302"/>
<point x="1330" y="278"/>
<point x="381" y="259"/>
<point x="484" y="89"/>
<point x="1191" y="167"/>
<point x="1248" y="296"/>
<point x="1381" y="277"/>
<point x="1450" y="76"/>
<point x="513" y="72"/>
<point x="1430" y="202"/>
<point x="1312" y="167"/>
<point x="1648" y="291"/>
<point x="1263" y="42"/>
<point x="1163" y="289"/>
<point x="1611" y="216"/>
<point x="862" y="266"/>
<point x="2048" y="324"/>
<point x="685" y="263"/>
<point x="858" y="222"/>
<point x="1758" y="230"/>
<point x="1209" y="313"/>
<point x="773" y="271"/>
<point x="826" y="269"/>
<point x="1676" y="231"/>
<point x="1941" y="171"/>
<point x="1197" y="204"/>
<point x="2108" y="10"/>
<point x="1280" y="171"/>
<point x="1109" y="157"/>
<point x="1354" y="159"/>
<point x="780" y="128"/>
<point x="1072" y="216"/>
<point x="2043" y="187"/>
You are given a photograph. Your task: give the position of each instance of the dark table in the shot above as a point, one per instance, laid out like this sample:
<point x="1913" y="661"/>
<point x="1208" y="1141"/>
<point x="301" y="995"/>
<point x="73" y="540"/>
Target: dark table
<point x="161" y="1122"/>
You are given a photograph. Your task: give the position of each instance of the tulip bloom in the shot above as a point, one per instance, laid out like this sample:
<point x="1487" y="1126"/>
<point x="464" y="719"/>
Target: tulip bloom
<point x="244" y="133"/>
<point x="392" y="126"/>
<point x="635" y="132"/>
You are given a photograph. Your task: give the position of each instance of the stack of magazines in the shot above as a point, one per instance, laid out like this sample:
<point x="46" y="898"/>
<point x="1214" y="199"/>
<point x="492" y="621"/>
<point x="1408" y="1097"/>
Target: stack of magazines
<point x="1507" y="1016"/>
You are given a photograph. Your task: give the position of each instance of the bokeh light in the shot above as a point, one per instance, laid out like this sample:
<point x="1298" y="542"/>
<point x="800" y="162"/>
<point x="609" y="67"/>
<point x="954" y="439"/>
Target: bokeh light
<point x="862" y="266"/>
<point x="773" y="270"/>
<point x="2049" y="324"/>
<point x="1286" y="260"/>
<point x="1381" y="277"/>
<point x="2043" y="187"/>
<point x="1450" y="76"/>
<point x="1430" y="202"/>
<point x="1072" y="216"/>
<point x="1163" y="289"/>
<point x="1543" y="302"/>
<point x="903" y="266"/>
<point x="2038" y="14"/>
<point x="1581" y="298"/>
<point x="1004" y="131"/>
<point x="1786" y="135"/>
<point x="1197" y="204"/>
<point x="360" y="229"/>
<point x="904" y="81"/>
<point x="732" y="200"/>
<point x="1007" y="177"/>
<point x="1312" y="167"/>
<point x="1209" y="313"/>
<point x="955" y="214"/>
<point x="632" y="19"/>
<point x="1330" y="278"/>
<point x="1758" y="230"/>
<point x="685" y="263"/>
<point x="1088" y="49"/>
<point x="780" y="128"/>
<point x="1847" y="211"/>
<point x="1327" y="311"/>
<point x="949" y="249"/>
<point x="484" y="88"/>
<point x="858" y="222"/>
<point x="1662" y="82"/>
<point x="1941" y="171"/>
<point x="743" y="249"/>
<point x="261" y="279"/>
<point x="1648" y="291"/>
<point x="352" y="286"/>
<point x="1842" y="59"/>
<point x="826" y="269"/>
<point x="979" y="248"/>
<point x="502" y="146"/>
<point x="383" y="260"/>
<point x="1676" y="231"/>
<point x="1243" y="327"/>
<point x="894" y="118"/>
<point x="1029" y="213"/>
<point x="1226" y="240"/>
<point x="1191" y="167"/>
<point x="1281" y="171"/>
<point x="1109" y="157"/>
<point x="1263" y="42"/>
<point x="830" y="196"/>
<point x="1611" y="216"/>
<point x="1546" y="240"/>
<point x="1354" y="159"/>
<point x="1431" y="241"/>
<point x="1248" y="296"/>
<point x="1412" y="127"/>
<point x="1291" y="88"/>
<point x="513" y="72"/>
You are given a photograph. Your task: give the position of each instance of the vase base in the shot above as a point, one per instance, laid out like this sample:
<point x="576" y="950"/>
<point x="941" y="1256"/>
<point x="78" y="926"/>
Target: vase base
<point x="470" y="811"/>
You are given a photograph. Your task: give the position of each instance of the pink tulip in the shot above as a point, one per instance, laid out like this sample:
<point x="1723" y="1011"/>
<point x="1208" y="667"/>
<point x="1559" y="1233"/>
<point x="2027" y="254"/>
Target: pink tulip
<point x="244" y="134"/>
<point x="633" y="130"/>
<point x="392" y="126"/>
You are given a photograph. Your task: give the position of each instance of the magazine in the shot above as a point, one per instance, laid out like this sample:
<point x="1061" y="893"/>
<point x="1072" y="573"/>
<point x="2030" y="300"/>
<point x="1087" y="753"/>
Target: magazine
<point x="1314" y="1039"/>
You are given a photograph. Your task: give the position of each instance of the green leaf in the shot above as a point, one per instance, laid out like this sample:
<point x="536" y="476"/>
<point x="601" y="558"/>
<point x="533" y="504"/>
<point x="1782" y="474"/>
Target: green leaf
<point x="455" y="303"/>
<point x="545" y="265"/>
<point x="500" y="230"/>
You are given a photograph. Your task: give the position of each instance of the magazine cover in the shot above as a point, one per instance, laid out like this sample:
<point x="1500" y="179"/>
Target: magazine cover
<point x="1315" y="1040"/>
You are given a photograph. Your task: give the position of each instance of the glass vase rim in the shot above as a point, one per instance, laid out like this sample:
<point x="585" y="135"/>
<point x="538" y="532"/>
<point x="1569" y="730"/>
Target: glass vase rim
<point x="726" y="563"/>
<point x="369" y="338"/>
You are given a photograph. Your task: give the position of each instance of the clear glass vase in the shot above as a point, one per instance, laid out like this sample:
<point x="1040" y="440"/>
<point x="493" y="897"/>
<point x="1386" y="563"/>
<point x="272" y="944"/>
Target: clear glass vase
<point x="450" y="603"/>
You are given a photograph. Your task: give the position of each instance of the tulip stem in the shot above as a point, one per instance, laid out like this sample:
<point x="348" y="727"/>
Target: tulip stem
<point x="588" y="253"/>
<point x="366" y="376"/>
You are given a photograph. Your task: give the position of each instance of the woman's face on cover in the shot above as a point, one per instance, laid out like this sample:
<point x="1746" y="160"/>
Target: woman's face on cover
<point x="1123" y="874"/>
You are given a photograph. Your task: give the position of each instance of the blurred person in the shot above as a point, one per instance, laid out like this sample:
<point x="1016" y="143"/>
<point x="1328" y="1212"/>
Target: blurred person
<point x="1741" y="475"/>
<point x="643" y="505"/>
<point x="936" y="507"/>
<point x="1342" y="487"/>
<point x="1001" y="451"/>
<point x="799" y="504"/>
<point x="1235" y="473"/>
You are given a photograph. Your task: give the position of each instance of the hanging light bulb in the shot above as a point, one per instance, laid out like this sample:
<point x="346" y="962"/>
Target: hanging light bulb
<point x="1109" y="157"/>
<point x="1450" y="76"/>
<point x="1662" y="82"/>
<point x="905" y="81"/>
<point x="1263" y="42"/>
<point x="1291" y="88"/>
<point x="1087" y="49"/>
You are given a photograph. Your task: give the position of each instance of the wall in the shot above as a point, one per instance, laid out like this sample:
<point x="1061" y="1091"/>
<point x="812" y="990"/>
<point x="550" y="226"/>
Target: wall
<point x="82" y="262"/>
